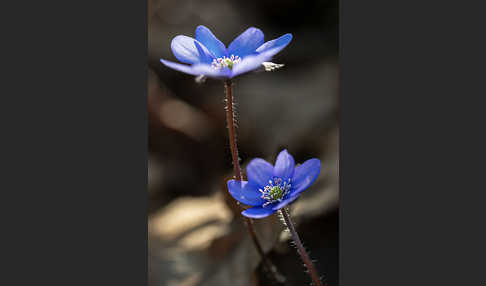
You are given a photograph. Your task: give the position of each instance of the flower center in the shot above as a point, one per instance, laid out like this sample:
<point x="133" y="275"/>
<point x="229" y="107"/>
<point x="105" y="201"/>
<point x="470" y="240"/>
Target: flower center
<point x="225" y="62"/>
<point x="275" y="191"/>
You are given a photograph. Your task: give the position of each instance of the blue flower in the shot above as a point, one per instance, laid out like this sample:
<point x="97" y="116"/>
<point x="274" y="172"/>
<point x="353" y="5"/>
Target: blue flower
<point x="270" y="188"/>
<point x="208" y="56"/>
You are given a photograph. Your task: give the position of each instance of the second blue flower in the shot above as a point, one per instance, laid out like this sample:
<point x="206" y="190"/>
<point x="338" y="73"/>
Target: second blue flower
<point x="270" y="188"/>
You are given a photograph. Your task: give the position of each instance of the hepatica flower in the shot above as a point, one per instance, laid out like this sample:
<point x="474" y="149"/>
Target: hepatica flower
<point x="206" y="55"/>
<point x="270" y="188"/>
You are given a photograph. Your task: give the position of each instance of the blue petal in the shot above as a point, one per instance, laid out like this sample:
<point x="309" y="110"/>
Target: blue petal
<point x="284" y="166"/>
<point x="198" y="69"/>
<point x="257" y="212"/>
<point x="259" y="172"/>
<point x="245" y="193"/>
<point x="179" y="67"/>
<point x="305" y="175"/>
<point x="185" y="50"/>
<point x="204" y="55"/>
<point x="204" y="36"/>
<point x="285" y="202"/>
<point x="246" y="43"/>
<point x="275" y="45"/>
<point x="209" y="71"/>
<point x="250" y="63"/>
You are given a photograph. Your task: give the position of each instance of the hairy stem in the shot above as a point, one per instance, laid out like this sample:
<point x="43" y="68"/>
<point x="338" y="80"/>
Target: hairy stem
<point x="230" y="120"/>
<point x="300" y="249"/>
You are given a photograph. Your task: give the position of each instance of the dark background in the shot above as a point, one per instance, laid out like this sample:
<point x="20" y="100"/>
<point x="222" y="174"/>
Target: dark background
<point x="294" y="108"/>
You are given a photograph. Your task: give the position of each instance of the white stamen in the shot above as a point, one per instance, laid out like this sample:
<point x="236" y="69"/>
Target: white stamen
<point x="275" y="193"/>
<point x="225" y="62"/>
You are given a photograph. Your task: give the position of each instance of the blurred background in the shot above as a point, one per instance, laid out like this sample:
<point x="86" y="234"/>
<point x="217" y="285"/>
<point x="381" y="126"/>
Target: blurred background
<point x="196" y="235"/>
